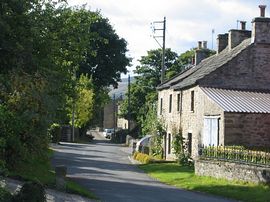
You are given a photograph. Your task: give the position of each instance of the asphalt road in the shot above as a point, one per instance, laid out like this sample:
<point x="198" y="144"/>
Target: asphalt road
<point x="105" y="169"/>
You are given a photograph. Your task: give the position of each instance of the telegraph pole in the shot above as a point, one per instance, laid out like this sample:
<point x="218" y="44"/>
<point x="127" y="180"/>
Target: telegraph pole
<point x="114" y="114"/>
<point x="163" y="29"/>
<point x="128" y="103"/>
<point x="213" y="32"/>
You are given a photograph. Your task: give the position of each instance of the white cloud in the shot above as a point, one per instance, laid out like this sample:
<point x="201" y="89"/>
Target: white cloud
<point x="187" y="21"/>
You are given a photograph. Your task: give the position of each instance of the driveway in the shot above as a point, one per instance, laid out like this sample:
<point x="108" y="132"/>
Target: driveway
<point x="105" y="169"/>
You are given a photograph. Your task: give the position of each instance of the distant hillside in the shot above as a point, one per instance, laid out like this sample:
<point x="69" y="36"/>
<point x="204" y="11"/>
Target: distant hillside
<point x="122" y="88"/>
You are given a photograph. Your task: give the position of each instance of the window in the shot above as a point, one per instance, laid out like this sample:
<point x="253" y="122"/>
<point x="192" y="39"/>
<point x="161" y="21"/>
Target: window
<point x="192" y="101"/>
<point x="178" y="102"/>
<point x="170" y="104"/>
<point x="211" y="131"/>
<point x="161" y="102"/>
<point x="189" y="143"/>
<point x="169" y="143"/>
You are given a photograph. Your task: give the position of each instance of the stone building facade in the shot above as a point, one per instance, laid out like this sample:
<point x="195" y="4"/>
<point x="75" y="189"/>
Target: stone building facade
<point x="111" y="118"/>
<point x="224" y="99"/>
<point x="109" y="115"/>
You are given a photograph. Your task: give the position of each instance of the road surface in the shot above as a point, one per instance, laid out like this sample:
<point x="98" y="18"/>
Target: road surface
<point x="105" y="169"/>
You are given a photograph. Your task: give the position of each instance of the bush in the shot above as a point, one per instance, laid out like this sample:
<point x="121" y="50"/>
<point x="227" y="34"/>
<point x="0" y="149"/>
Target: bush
<point x="180" y="148"/>
<point x="143" y="158"/>
<point x="31" y="192"/>
<point x="12" y="151"/>
<point x="135" y="154"/>
<point x="55" y="133"/>
<point x="5" y="196"/>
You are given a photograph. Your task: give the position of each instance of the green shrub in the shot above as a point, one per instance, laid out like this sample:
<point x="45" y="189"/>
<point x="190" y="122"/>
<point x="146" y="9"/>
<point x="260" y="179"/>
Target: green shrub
<point x="31" y="192"/>
<point x="12" y="150"/>
<point x="55" y="132"/>
<point x="5" y="196"/>
<point x="180" y="147"/>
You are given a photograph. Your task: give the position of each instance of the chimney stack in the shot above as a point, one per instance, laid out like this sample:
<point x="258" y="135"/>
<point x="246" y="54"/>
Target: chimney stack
<point x="237" y="36"/>
<point x="201" y="52"/>
<point x="260" y="28"/>
<point x="262" y="9"/>
<point x="222" y="42"/>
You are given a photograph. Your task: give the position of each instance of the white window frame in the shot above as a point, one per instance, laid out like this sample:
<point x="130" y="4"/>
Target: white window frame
<point x="210" y="130"/>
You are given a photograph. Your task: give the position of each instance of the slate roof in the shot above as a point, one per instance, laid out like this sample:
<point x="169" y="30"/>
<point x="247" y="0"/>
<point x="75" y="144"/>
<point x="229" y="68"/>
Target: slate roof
<point x="205" y="67"/>
<point x="239" y="101"/>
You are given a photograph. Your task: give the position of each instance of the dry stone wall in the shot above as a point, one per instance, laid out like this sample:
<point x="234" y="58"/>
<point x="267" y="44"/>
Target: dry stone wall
<point x="232" y="171"/>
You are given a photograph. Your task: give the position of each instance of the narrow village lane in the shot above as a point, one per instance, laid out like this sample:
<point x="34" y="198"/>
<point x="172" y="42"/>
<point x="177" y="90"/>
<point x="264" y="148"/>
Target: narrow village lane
<point x="105" y="169"/>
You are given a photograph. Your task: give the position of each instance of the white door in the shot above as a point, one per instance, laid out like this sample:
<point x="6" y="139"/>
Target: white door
<point x="210" y="132"/>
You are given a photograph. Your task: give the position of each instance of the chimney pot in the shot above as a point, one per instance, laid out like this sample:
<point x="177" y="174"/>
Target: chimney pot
<point x="199" y="45"/>
<point x="193" y="60"/>
<point x="243" y="25"/>
<point x="262" y="9"/>
<point x="205" y="44"/>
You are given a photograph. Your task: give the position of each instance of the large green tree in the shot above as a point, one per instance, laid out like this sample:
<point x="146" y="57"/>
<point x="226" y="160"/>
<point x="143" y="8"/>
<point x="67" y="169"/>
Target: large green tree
<point x="103" y="51"/>
<point x="44" y="46"/>
<point x="150" y="66"/>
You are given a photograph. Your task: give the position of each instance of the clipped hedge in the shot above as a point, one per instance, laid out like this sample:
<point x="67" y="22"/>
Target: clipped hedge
<point x="143" y="158"/>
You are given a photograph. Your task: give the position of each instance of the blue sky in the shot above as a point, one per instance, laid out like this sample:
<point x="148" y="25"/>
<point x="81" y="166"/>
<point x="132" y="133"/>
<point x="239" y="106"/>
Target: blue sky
<point x="188" y="21"/>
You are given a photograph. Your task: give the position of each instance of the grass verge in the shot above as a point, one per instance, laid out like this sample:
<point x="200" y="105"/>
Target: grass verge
<point x="74" y="188"/>
<point x="184" y="177"/>
<point x="40" y="169"/>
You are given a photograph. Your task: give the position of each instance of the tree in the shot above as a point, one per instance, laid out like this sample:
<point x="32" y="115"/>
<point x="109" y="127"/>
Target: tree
<point x="43" y="46"/>
<point x="104" y="52"/>
<point x="150" y="65"/>
<point x="84" y="102"/>
<point x="143" y="93"/>
<point x="108" y="59"/>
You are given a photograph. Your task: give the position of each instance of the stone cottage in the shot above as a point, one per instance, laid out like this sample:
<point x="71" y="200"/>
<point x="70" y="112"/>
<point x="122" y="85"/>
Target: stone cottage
<point x="225" y="98"/>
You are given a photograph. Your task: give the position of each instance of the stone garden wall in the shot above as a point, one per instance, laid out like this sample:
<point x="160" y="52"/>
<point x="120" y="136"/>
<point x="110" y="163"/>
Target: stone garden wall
<point x="232" y="171"/>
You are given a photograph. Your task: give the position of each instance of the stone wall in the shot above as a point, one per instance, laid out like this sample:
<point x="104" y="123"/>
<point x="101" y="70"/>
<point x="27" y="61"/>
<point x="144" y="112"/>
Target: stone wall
<point x="247" y="129"/>
<point x="232" y="171"/>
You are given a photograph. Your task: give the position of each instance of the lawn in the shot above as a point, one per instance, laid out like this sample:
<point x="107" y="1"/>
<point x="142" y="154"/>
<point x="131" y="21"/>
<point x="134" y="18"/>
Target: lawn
<point x="40" y="169"/>
<point x="184" y="177"/>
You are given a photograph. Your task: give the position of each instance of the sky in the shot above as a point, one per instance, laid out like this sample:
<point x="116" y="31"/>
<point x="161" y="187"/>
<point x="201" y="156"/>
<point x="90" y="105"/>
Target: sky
<point x="187" y="21"/>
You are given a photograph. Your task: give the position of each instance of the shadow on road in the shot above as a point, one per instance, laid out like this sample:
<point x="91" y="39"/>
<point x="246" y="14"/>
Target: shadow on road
<point x="105" y="169"/>
<point x="136" y="190"/>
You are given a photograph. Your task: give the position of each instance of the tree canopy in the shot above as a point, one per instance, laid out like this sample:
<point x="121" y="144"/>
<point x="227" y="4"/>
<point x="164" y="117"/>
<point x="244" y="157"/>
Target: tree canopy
<point x="51" y="55"/>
